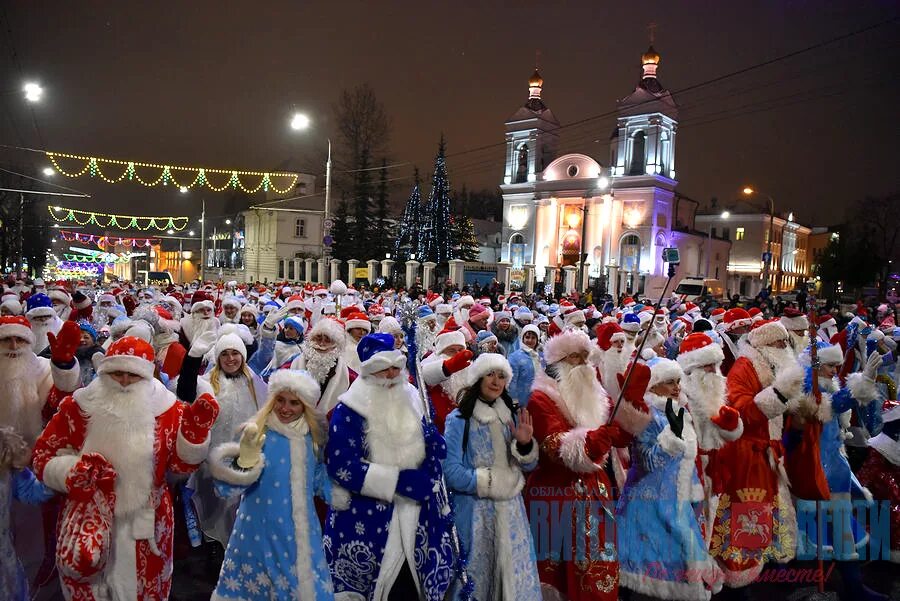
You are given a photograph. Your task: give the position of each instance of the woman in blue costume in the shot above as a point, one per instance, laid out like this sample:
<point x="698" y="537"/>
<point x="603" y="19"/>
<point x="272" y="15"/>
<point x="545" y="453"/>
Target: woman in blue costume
<point x="486" y="455"/>
<point x="662" y="552"/>
<point x="275" y="550"/>
<point x="526" y="361"/>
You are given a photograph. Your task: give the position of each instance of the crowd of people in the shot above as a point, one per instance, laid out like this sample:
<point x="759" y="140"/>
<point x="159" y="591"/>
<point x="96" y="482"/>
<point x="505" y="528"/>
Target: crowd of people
<point x="332" y="443"/>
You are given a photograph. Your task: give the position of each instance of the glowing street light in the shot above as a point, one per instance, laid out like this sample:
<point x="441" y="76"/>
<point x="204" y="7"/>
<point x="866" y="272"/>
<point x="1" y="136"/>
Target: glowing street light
<point x="191" y="233"/>
<point x="33" y="91"/>
<point x="48" y="171"/>
<point x="170" y="232"/>
<point x="183" y="189"/>
<point x="299" y="121"/>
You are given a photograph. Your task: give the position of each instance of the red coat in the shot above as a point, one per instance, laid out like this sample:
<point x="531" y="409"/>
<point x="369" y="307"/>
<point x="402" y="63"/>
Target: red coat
<point x="145" y="575"/>
<point x="567" y="472"/>
<point x="882" y="478"/>
<point x="754" y="489"/>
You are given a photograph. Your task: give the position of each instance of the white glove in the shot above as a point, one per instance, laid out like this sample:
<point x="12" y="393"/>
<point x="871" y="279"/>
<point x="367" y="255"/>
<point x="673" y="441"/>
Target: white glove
<point x="202" y="344"/>
<point x="251" y="446"/>
<point x="872" y="365"/>
<point x="274" y="317"/>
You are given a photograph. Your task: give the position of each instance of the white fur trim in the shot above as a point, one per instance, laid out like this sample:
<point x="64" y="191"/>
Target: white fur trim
<point x="732" y="435"/>
<point x="887" y="446"/>
<point x="483" y="482"/>
<point x="485" y="364"/>
<point x="446" y="339"/>
<point x="17" y="330"/>
<point x="230" y="341"/>
<point x="830" y="355"/>
<point x="66" y="380"/>
<point x="189" y="452"/>
<point x="789" y="382"/>
<point x="128" y="363"/>
<point x="664" y="370"/>
<point x="645" y="584"/>
<point x="220" y="460"/>
<point x="530" y="457"/>
<point x="795" y="323"/>
<point x="380" y="482"/>
<point x="767" y="334"/>
<point x="331" y="328"/>
<point x="57" y="470"/>
<point x="573" y="453"/>
<point x="381" y="361"/>
<point x="862" y="388"/>
<point x="562" y="345"/>
<point x="707" y="355"/>
<point x="670" y="443"/>
<point x="358" y="323"/>
<point x="433" y="372"/>
<point x="768" y="402"/>
<point x="300" y="515"/>
<point x="298" y="382"/>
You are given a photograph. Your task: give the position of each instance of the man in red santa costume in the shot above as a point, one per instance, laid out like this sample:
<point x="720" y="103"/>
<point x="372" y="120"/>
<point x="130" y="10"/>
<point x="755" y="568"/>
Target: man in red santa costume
<point x="797" y="325"/>
<point x="613" y="355"/>
<point x="755" y="519"/>
<point x="62" y="301"/>
<point x="570" y="410"/>
<point x="444" y="373"/>
<point x="108" y="449"/>
<point x="715" y="422"/>
<point x="736" y="324"/>
<point x="200" y="320"/>
<point x="321" y="354"/>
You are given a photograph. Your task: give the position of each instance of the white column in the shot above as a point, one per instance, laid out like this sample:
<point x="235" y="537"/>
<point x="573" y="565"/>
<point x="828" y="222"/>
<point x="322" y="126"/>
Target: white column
<point x="322" y="276"/>
<point x="335" y="270"/>
<point x="351" y="270"/>
<point x="457" y="272"/>
<point x="297" y="270"/>
<point x="529" y="278"/>
<point x="570" y="271"/>
<point x="550" y="277"/>
<point x="585" y="277"/>
<point x="613" y="288"/>
<point x="373" y="270"/>
<point x="412" y="270"/>
<point x="308" y="272"/>
<point x="427" y="273"/>
<point x="386" y="266"/>
<point x="503" y="274"/>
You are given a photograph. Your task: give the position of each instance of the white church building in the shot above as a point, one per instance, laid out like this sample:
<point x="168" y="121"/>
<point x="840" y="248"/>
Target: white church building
<point x="556" y="208"/>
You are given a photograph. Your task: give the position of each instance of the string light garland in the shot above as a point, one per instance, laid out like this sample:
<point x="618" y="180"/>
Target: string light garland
<point x="192" y="176"/>
<point x="101" y="259"/>
<point x="122" y="222"/>
<point x="107" y="241"/>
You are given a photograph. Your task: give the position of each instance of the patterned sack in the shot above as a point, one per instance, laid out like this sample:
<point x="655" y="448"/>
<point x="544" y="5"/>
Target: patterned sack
<point x="85" y="530"/>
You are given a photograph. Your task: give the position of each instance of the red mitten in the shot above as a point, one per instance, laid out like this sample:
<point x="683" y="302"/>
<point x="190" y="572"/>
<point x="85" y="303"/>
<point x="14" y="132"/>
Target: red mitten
<point x="598" y="442"/>
<point x="85" y="528"/>
<point x="457" y="362"/>
<point x="130" y="304"/>
<point x="198" y="419"/>
<point x="64" y="344"/>
<point x="727" y="419"/>
<point x="637" y="385"/>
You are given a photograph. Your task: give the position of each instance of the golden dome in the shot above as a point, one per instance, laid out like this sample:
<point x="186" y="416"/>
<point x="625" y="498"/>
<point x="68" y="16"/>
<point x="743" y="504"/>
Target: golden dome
<point x="536" y="80"/>
<point x="650" y="57"/>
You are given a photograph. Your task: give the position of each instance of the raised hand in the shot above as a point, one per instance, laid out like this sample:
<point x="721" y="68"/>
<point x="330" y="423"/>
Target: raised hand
<point x="252" y="441"/>
<point x="524" y="429"/>
<point x="676" y="421"/>
<point x="64" y="344"/>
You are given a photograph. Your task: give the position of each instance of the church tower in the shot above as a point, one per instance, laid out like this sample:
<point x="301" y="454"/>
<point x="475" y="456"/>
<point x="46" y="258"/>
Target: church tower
<point x="531" y="137"/>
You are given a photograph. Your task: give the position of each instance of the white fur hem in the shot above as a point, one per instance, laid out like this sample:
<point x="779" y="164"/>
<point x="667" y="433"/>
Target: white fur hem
<point x="191" y="453"/>
<point x="573" y="453"/>
<point x="862" y="388"/>
<point x="380" y="482"/>
<point x="66" y="380"/>
<point x="670" y="443"/>
<point x="769" y="403"/>
<point x="527" y="459"/>
<point x="219" y="463"/>
<point x="665" y="589"/>
<point x="57" y="470"/>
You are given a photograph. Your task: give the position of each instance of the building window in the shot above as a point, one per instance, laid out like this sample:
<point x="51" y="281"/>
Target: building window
<point x="300" y="228"/>
<point x="712" y="232"/>
<point x="739" y="233"/>
<point x="726" y="233"/>
<point x="572" y="171"/>
<point x="522" y="165"/>
<point x="280" y="269"/>
<point x="630" y="253"/>
<point x="638" y="150"/>
<point x="301" y="187"/>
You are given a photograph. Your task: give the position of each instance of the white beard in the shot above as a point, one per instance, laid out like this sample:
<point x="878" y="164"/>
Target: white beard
<point x="584" y="396"/>
<point x="41" y="330"/>
<point x="393" y="429"/>
<point x="705" y="393"/>
<point x="21" y="407"/>
<point x="798" y="343"/>
<point x="198" y="326"/>
<point x="441" y="320"/>
<point x="613" y="362"/>
<point x="779" y="358"/>
<point x="122" y="428"/>
<point x="319" y="363"/>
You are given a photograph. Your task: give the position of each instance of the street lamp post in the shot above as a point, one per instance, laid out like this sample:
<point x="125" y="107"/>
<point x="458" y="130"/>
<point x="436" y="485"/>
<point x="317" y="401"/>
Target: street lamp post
<point x="725" y="215"/>
<point x="748" y="191"/>
<point x="300" y="122"/>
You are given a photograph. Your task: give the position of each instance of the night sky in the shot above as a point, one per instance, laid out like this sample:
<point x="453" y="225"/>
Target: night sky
<point x="213" y="84"/>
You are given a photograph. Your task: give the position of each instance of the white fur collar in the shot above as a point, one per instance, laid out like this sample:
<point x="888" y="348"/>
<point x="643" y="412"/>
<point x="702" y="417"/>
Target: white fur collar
<point x="486" y="414"/>
<point x="659" y="402"/>
<point x="295" y="429"/>
<point x="764" y="371"/>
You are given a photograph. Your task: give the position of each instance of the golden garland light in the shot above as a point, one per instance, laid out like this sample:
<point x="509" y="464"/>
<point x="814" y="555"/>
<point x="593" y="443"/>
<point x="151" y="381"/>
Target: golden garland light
<point x="106" y="220"/>
<point x="193" y="176"/>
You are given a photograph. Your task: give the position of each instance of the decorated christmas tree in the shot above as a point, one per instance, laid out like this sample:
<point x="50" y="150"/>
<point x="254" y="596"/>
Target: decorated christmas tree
<point x="436" y="243"/>
<point x="408" y="238"/>
<point x="465" y="243"/>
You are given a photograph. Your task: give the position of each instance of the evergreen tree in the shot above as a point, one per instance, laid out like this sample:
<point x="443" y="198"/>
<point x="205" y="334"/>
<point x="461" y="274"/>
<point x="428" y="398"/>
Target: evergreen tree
<point x="342" y="233"/>
<point x="378" y="228"/>
<point x="409" y="234"/>
<point x="465" y="243"/>
<point x="436" y="244"/>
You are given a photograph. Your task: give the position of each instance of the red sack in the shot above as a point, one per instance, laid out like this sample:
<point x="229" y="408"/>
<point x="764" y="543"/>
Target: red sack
<point x="85" y="530"/>
<point x="803" y="464"/>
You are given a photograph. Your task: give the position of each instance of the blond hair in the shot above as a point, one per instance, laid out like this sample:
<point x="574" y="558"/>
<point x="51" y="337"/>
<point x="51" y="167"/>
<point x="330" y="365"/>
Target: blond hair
<point x="245" y="371"/>
<point x="318" y="428"/>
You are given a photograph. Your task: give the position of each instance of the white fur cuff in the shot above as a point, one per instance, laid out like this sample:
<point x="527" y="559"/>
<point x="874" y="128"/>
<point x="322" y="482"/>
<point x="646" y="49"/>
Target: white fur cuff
<point x="66" y="380"/>
<point x="528" y="459"/>
<point x="670" y="443"/>
<point x="483" y="482"/>
<point x="732" y="435"/>
<point x="573" y="453"/>
<point x="380" y="482"/>
<point x="433" y="372"/>
<point x="191" y="453"/>
<point x="340" y="497"/>
<point x="220" y="460"/>
<point x="862" y="388"/>
<point x="57" y="470"/>
<point x="769" y="403"/>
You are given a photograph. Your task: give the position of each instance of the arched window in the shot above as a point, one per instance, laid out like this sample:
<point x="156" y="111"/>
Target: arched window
<point x="630" y="253"/>
<point x="522" y="169"/>
<point x="638" y="154"/>
<point x="517" y="250"/>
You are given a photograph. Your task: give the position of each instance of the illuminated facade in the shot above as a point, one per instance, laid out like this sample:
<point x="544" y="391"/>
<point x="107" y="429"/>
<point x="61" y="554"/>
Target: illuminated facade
<point x="620" y="217"/>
